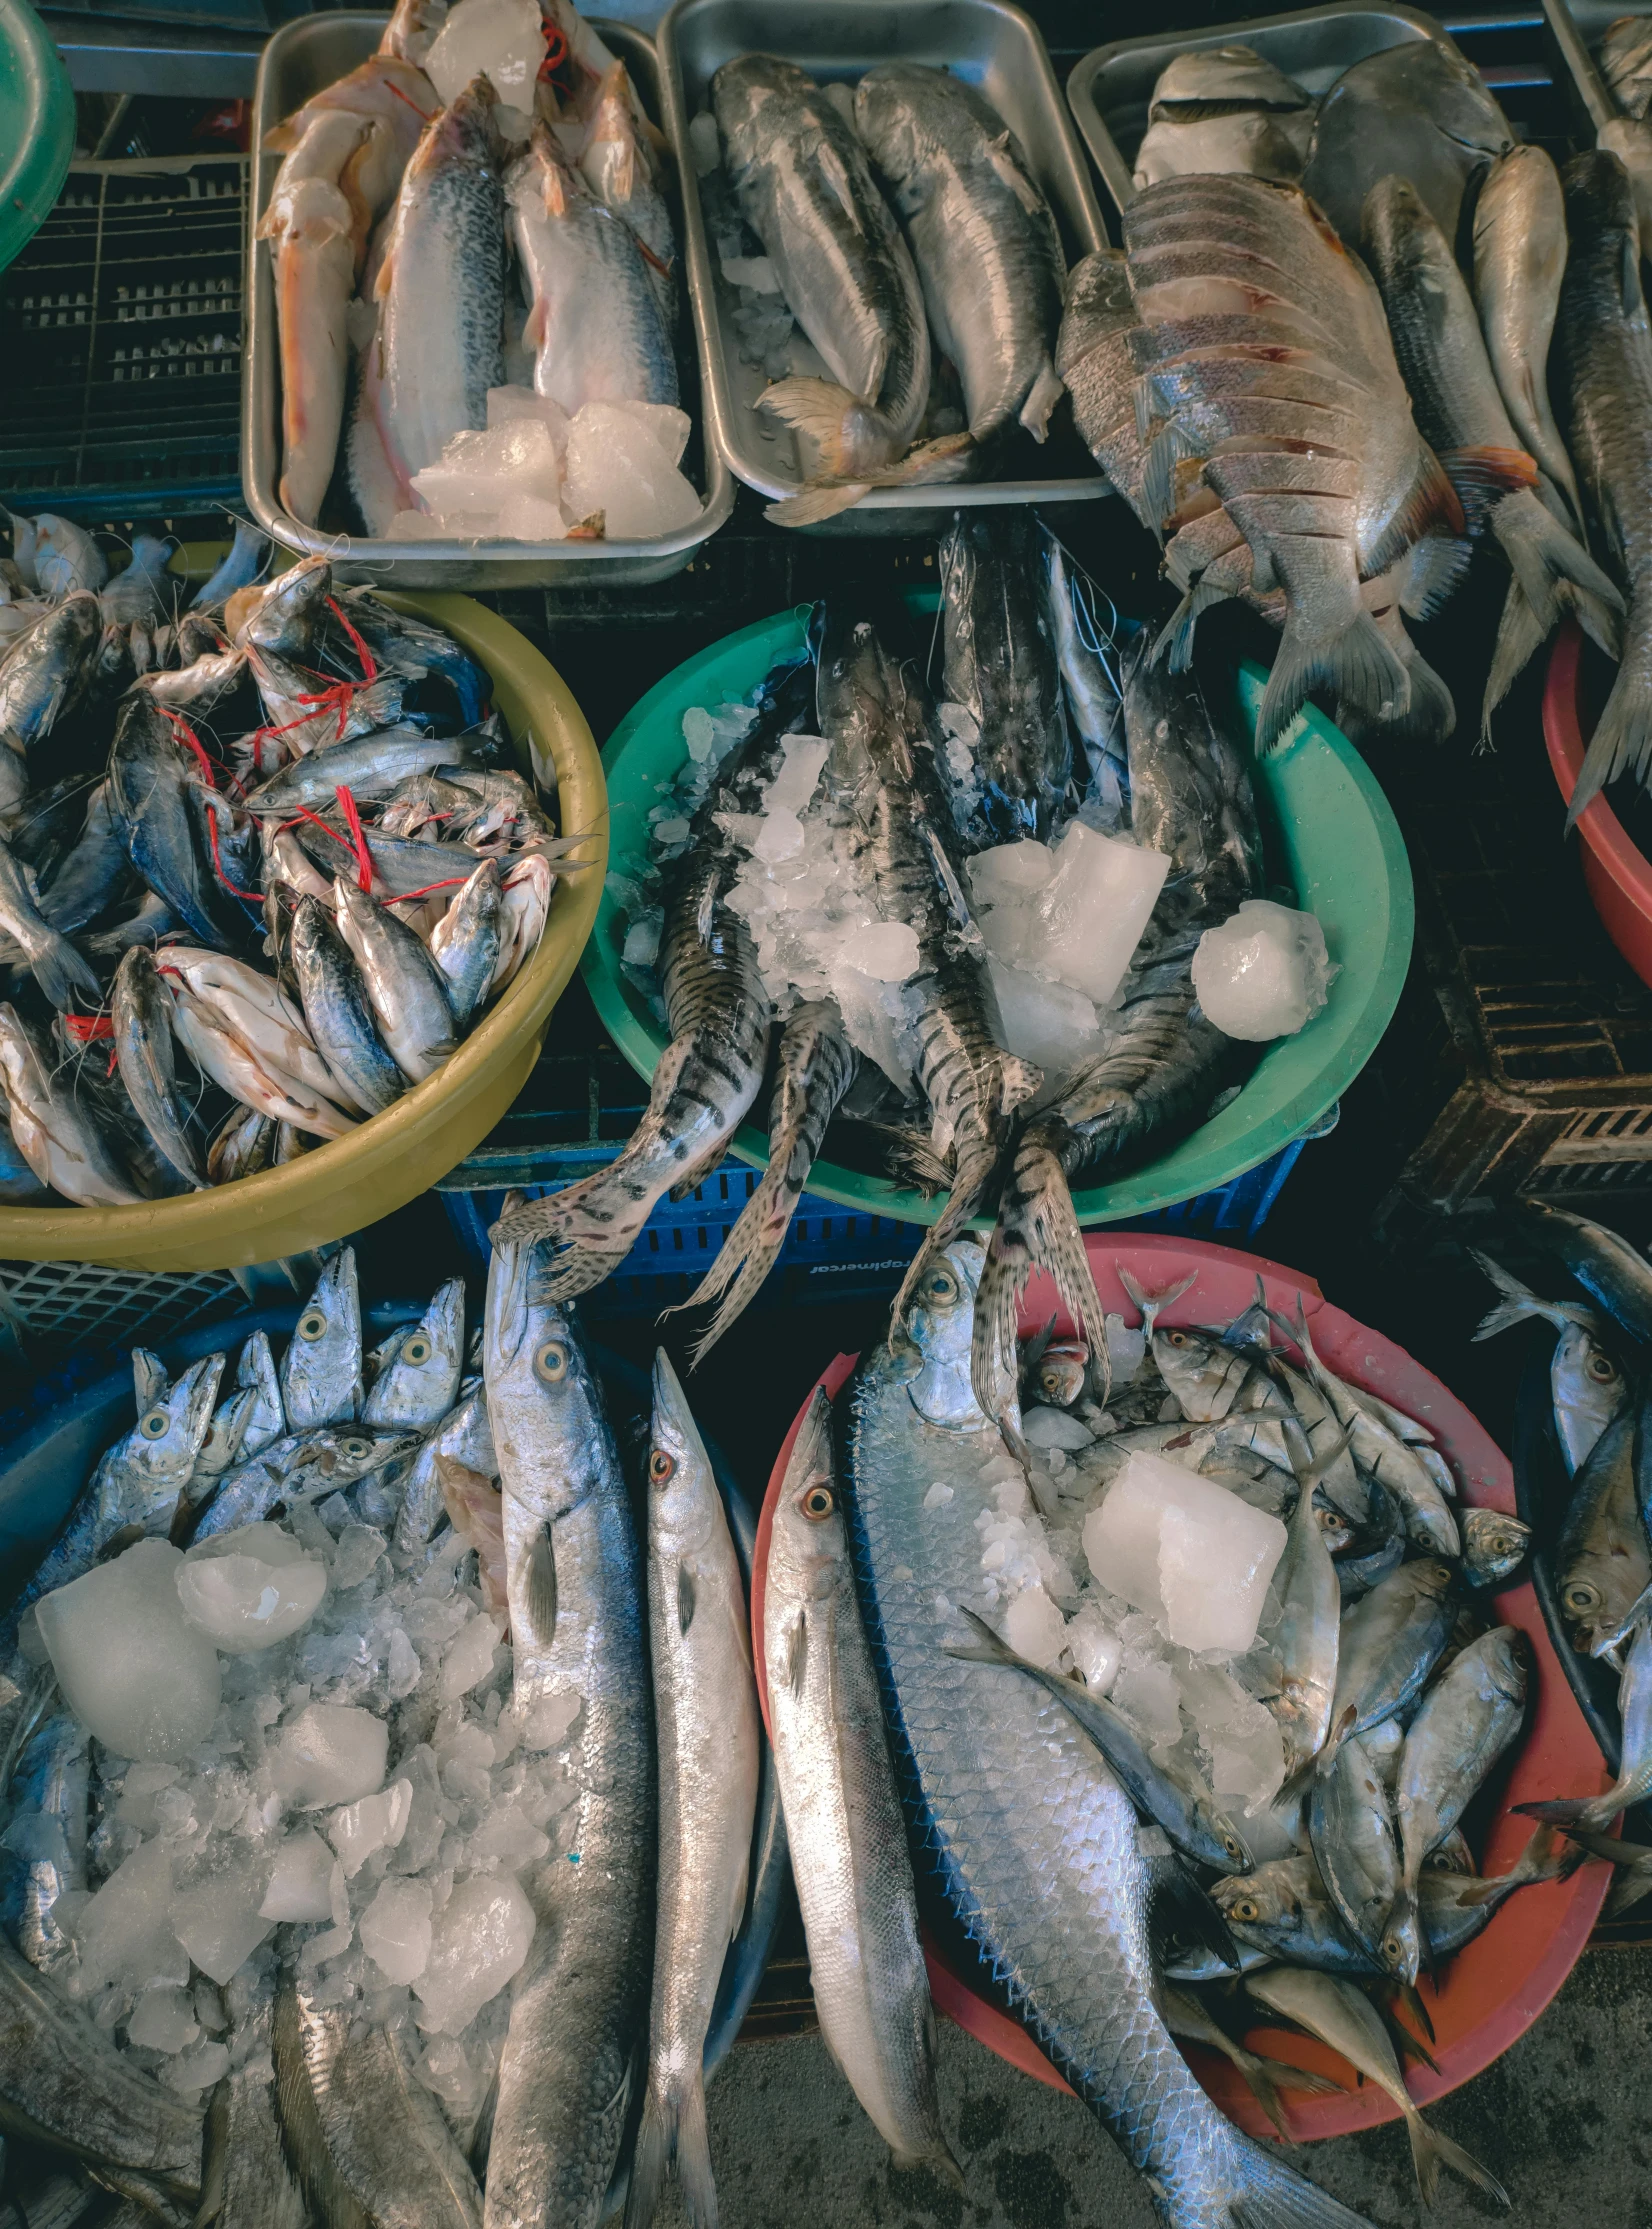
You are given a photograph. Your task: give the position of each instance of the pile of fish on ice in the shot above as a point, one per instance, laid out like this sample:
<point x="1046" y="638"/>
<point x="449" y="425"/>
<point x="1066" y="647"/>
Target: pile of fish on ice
<point x="1319" y="368"/>
<point x="474" y="247"/>
<point x="1598" y="1545"/>
<point x="269" y="852"/>
<point x="376" y="1801"/>
<point x="1191" y="1711"/>
<point x="1022" y="929"/>
<point x="900" y="224"/>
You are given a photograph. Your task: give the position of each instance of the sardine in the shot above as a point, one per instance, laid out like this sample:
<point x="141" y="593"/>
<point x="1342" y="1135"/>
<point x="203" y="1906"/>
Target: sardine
<point x="999" y="663"/>
<point x="64" y="1138"/>
<point x="579" y="2006"/>
<point x="1519" y="262"/>
<point x="404" y="986"/>
<point x="1348" y="2022"/>
<point x="706" y="1720"/>
<point x="441" y="289"/>
<point x="1604" y="348"/>
<point x="596" y="324"/>
<point x="1602" y="1560"/>
<point x="144" y="1045"/>
<point x="1034" y="1844"/>
<point x="47" y="668"/>
<point x="465" y="943"/>
<point x="1417" y="110"/>
<point x="981" y="233"/>
<point x="321" y="1370"/>
<point x="843" y="1816"/>
<point x="338" y="1015"/>
<point x="1391" y="1641"/>
<point x="1467" y="1720"/>
<point x="1588" y="1387"/>
<point x="419" y="1369"/>
<point x="814" y="1068"/>
<point x="1634" y="1779"/>
<point x="45" y="1841"/>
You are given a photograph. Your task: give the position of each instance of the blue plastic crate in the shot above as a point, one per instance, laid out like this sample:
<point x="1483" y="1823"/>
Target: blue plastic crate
<point x="831" y="1253"/>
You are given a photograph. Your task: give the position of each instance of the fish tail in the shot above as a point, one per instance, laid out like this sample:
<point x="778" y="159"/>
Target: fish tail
<point x="1046" y="391"/>
<point x="1267" y="2079"/>
<point x="748" y="1254"/>
<point x="1518" y="1304"/>
<point x="851" y="440"/>
<point x="673" y="2127"/>
<point x="1432" y="2149"/>
<point x="1352" y="659"/>
<point x="1622" y="740"/>
<point x="1555" y="573"/>
<point x="1592" y="1812"/>
<point x="64" y="974"/>
<point x="1266" y="2194"/>
<point x="1036" y="1229"/>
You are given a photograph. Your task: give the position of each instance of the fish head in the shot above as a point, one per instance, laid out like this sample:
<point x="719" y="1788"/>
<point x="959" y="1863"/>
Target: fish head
<point x="808" y="1541"/>
<point x="160" y="1451"/>
<point x="1503" y="1658"/>
<point x="1220" y="1835"/>
<point x="544" y="1403"/>
<point x="321" y="1370"/>
<point x="286" y="612"/>
<point x="1338" y="1533"/>
<point x="940" y="1326"/>
<point x="1600" y="1586"/>
<point x="1588" y="1385"/>
<point x="1200" y="1369"/>
<point x="419" y="1365"/>
<point x="1266" y="1897"/>
<point x="324" y="1462"/>
<point x="1401" y="1946"/>
<point x="1494" y="1545"/>
<point x="682" y="1493"/>
<point x="1063" y="1371"/>
<point x="226" y="1434"/>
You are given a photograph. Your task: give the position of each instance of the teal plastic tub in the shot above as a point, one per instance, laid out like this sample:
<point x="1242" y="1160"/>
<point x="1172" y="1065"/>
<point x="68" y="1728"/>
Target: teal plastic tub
<point x="1330" y="836"/>
<point x="37" y="125"/>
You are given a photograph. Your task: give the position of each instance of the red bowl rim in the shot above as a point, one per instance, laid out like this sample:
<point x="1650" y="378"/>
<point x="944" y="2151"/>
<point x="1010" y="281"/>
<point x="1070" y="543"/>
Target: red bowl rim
<point x="1495" y="1988"/>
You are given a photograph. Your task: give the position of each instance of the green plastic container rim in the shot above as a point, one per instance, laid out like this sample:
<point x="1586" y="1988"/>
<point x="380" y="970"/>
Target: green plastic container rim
<point x="37" y="126"/>
<point x="1332" y="836"/>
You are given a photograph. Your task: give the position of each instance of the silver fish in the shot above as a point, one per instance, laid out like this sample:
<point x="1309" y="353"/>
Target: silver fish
<point x="67" y="560"/>
<point x="619" y="167"/>
<point x="83" y="884"/>
<point x="465" y="945"/>
<point x="1379" y="1449"/>
<point x="46" y="670"/>
<point x="256" y="1369"/>
<point x="1467" y="1720"/>
<point x="1095" y="709"/>
<point x="1519" y="262"/>
<point x="1034" y="1844"/>
<point x="144" y="1053"/>
<point x="1417" y="110"/>
<point x="1305" y="1634"/>
<point x="1285" y="1910"/>
<point x="1495" y="1545"/>
<point x="305" y="1466"/>
<point x="1588" y="1387"/>
<point x="981" y="233"/>
<point x="238" y="568"/>
<point x="1391" y="1641"/>
<point x="843" y="1818"/>
<point x="337" y="1012"/>
<point x="464" y="1438"/>
<point x="706" y="1720"/>
<point x="65" y="978"/>
<point x="368" y="765"/>
<point x="45" y="1840"/>
<point x="246" y="2176"/>
<point x="579" y="2006"/>
<point x="1264" y="2078"/>
<point x="321" y="1370"/>
<point x="814" y="1068"/>
<point x="1602" y="1559"/>
<point x="1596" y="1813"/>
<point x="225" y="1443"/>
<point x="404" y="986"/>
<point x="999" y="664"/>
<point x="1353" y="1843"/>
<point x="418" y="1374"/>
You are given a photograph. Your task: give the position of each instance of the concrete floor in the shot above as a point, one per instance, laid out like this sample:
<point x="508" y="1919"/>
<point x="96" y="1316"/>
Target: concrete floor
<point x="1564" y="2119"/>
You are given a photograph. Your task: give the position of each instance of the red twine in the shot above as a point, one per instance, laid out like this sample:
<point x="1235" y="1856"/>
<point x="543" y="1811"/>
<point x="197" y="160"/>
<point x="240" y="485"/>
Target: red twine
<point x="454" y="882"/>
<point x="556" y="51"/>
<point x="369" y="664"/>
<point x="391" y="86"/>
<point x="84" y="1028"/>
<point x="352" y="821"/>
<point x="252" y="897"/>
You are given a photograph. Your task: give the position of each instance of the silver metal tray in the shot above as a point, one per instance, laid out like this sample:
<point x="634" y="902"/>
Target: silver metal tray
<point x="992" y="45"/>
<point x="1110" y="89"/>
<point x="303" y="56"/>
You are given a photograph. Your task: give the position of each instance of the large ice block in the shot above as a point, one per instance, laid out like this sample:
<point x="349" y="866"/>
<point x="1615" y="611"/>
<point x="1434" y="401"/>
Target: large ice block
<point x="1194" y="1556"/>
<point x="331" y="1753"/>
<point x="131" y="1667"/>
<point x="247" y="1589"/>
<point x="479" y="1939"/>
<point x="1264" y="973"/>
<point x="1091" y="913"/>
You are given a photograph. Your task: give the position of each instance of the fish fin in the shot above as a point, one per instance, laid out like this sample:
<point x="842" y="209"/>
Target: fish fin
<point x="1483" y="473"/>
<point x="1178" y="1888"/>
<point x="1430" y="506"/>
<point x="820" y="410"/>
<point x="1022" y="1081"/>
<point x="1001" y="155"/>
<point x="1555" y="572"/>
<point x="1158" y="473"/>
<point x="1605" y="1846"/>
<point x="1411" y="1998"/>
<point x="1572" y="1811"/>
<point x="685" y="1598"/>
<point x="753" y="1244"/>
<point x="1434" y="572"/>
<point x="1622" y="740"/>
<point x="1176" y="635"/>
<point x="1432" y="2149"/>
<point x="814" y="504"/>
<point x="62" y="973"/>
<point x="1036" y="1229"/>
<point x="672" y="2127"/>
<point x="835" y="178"/>
<point x="1517" y="1305"/>
<point x="1264" y="2193"/>
<point x="797" y="1651"/>
<point x="1046" y="391"/>
<point x="1264" y="2079"/>
<point x="694" y="2155"/>
<point x="1334" y="1740"/>
<point x="539" y="1606"/>
<point x="1353" y="659"/>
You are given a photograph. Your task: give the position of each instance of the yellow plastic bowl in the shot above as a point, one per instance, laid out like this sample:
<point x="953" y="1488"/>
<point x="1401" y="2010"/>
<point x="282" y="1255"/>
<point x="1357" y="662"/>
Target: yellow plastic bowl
<point x="342" y="1186"/>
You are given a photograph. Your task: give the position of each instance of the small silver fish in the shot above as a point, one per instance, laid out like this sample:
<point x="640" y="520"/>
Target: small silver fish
<point x="321" y="1370"/>
<point x="419" y="1367"/>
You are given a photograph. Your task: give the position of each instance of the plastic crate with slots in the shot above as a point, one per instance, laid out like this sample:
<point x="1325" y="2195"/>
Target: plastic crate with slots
<point x="122" y="319"/>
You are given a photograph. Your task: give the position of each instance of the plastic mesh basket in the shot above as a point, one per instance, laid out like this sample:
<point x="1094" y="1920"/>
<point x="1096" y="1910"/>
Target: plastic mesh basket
<point x="51" y="1310"/>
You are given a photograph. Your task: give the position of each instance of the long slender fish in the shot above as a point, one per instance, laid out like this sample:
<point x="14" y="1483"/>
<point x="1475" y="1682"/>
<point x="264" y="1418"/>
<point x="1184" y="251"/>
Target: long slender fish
<point x="843" y="1817"/>
<point x="1000" y="664"/>
<point x="1034" y="1845"/>
<point x="46" y="1840"/>
<point x="144" y="1052"/>
<point x="247" y="2177"/>
<point x="705" y="1713"/>
<point x="321" y="1369"/>
<point x="61" y="972"/>
<point x="579" y="2007"/>
<point x="1519" y="262"/>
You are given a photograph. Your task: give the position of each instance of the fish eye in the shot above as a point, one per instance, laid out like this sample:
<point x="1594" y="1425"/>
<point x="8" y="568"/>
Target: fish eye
<point x="661" y="1466"/>
<point x="1232" y="1844"/>
<point x="1050" y="1382"/>
<point x="940" y="1286"/>
<point x="1393" y="1950"/>
<point x="1581" y="1597"/>
<point x="156" y="1425"/>
<point x="355" y="1448"/>
<point x="1245" y="1908"/>
<point x="551" y="1362"/>
<point x="312" y="1325"/>
<point x="417" y="1349"/>
<point x="1177" y="1338"/>
<point x="817" y="1503"/>
<point x="1601" y="1368"/>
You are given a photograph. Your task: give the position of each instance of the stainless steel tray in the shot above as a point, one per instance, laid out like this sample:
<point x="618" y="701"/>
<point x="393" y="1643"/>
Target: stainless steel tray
<point x="1110" y="89"/>
<point x="303" y="56"/>
<point x="991" y="44"/>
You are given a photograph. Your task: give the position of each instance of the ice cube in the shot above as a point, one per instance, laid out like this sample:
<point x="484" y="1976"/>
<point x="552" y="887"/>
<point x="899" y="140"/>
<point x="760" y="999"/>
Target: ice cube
<point x="371" y="1823"/>
<point x="299" y="1878"/>
<point x="501" y="40"/>
<point x="331" y="1753"/>
<point x="124" y="1932"/>
<point x="959" y="721"/>
<point x="202" y="2067"/>
<point x="481" y="471"/>
<point x="672" y="830"/>
<point x="938" y="1495"/>
<point x="247" y="1589"/>
<point x="163" y="2020"/>
<point x="1126" y="1345"/>
<point x="1004" y="873"/>
<point x="1054" y="1027"/>
<point x="1094" y="1647"/>
<point x="218" y="1920"/>
<point x="1144" y="1687"/>
<point x="1264" y="973"/>
<point x="1121" y="1534"/>
<point x="779" y="836"/>
<point x="138" y="1790"/>
<point x="1190" y="1553"/>
<point x="1034" y="1627"/>
<point x="506" y="403"/>
<point x="618" y="464"/>
<point x="887" y="951"/>
<point x="549" y="1721"/>
<point x="755" y="271"/>
<point x="417" y="526"/>
<point x="131" y="1667"/>
<point x="704" y="144"/>
<point x="698" y="733"/>
<point x="875" y="1020"/>
<point x="396" y="1931"/>
<point x="1088" y="918"/>
<point x="479" y="1940"/>
<point x="525" y="516"/>
<point x="1043" y="1427"/>
<point x="469" y="1659"/>
<point x="359" y="1549"/>
<point x="794" y="785"/>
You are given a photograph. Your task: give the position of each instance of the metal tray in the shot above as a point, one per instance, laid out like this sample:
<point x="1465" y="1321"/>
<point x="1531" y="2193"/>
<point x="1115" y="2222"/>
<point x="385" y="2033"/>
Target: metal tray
<point x="995" y="47"/>
<point x="300" y="58"/>
<point x="1110" y="89"/>
<point x="1577" y="32"/>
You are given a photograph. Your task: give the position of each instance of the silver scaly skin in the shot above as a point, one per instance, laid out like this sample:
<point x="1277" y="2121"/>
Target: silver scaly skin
<point x="321" y="1369"/>
<point x="418" y="1376"/>
<point x="305" y="1466"/>
<point x="1519" y="262"/>
<point x="247" y="2181"/>
<point x="999" y="662"/>
<point x="579" y="2006"/>
<point x="46" y="1841"/>
<point x="464" y="1438"/>
<point x="1032" y="1841"/>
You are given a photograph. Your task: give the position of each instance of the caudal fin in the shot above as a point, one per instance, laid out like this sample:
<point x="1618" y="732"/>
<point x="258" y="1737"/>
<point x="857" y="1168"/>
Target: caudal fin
<point x="1352" y="659"/>
<point x="748" y="1253"/>
<point x="1555" y="572"/>
<point x="1046" y="391"/>
<point x="65" y="976"/>
<point x="1593" y="1812"/>
<point x="1268" y="2079"/>
<point x="672" y="2127"/>
<point x="1036" y="1229"/>
<point x="1518" y="1304"/>
<point x="1622" y="742"/>
<point x="1264" y="2193"/>
<point x="1432" y="2149"/>
<point x="589" y="1228"/>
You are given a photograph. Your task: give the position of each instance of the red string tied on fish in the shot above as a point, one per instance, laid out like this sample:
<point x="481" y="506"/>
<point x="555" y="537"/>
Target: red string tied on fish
<point x="369" y="664"/>
<point x="352" y="821"/>
<point x="405" y="897"/>
<point x="556" y="52"/>
<point x="85" y="1029"/>
<point x="251" y="897"/>
<point x="406" y="99"/>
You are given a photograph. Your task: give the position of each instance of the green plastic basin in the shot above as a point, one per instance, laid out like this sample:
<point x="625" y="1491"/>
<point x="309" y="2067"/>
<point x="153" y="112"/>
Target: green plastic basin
<point x="37" y="125"/>
<point x="1330" y="835"/>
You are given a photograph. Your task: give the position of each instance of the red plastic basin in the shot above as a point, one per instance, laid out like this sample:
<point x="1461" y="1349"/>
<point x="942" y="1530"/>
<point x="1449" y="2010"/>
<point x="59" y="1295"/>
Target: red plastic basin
<point x="1492" y="1991"/>
<point x="1615" y="873"/>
